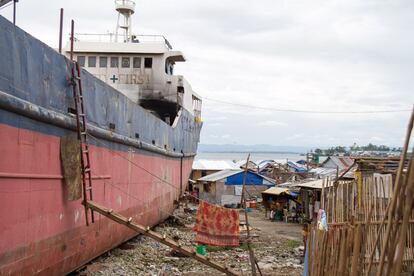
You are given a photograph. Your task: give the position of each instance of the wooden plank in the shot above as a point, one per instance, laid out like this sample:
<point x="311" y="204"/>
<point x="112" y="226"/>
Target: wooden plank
<point x="159" y="238"/>
<point x="70" y="159"/>
<point x="355" y="269"/>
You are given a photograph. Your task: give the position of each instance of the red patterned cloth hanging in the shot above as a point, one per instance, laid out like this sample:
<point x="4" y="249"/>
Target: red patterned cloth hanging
<point x="217" y="225"/>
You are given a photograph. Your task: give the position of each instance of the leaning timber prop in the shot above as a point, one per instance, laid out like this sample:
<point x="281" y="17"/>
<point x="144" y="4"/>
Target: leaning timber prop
<point x="109" y="213"/>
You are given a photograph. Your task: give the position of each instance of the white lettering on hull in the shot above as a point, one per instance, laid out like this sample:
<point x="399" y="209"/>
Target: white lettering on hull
<point x="133" y="79"/>
<point x="124" y="79"/>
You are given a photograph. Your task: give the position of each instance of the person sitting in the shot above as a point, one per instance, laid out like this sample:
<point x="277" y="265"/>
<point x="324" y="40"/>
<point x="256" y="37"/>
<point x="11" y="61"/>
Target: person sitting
<point x="279" y="212"/>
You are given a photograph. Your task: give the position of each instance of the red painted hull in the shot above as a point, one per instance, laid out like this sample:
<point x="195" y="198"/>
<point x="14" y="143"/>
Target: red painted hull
<point x="41" y="232"/>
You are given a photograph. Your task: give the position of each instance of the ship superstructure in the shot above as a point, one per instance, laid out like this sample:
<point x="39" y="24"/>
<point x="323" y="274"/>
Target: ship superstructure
<point x="139" y="66"/>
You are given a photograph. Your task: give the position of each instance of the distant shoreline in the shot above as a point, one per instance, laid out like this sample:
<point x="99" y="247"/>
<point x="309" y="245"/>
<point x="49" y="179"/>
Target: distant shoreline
<point x="254" y="155"/>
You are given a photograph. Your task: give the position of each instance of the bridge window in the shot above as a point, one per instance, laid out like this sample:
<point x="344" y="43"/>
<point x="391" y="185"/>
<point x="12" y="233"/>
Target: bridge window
<point x="114" y="62"/>
<point x="169" y="67"/>
<point x="137" y="62"/>
<point x="92" y="61"/>
<point x="148" y="62"/>
<point x="81" y="61"/>
<point x="103" y="62"/>
<point x="126" y="62"/>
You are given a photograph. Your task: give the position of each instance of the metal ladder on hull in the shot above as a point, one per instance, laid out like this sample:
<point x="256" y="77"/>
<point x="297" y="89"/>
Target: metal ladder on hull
<point x="83" y="139"/>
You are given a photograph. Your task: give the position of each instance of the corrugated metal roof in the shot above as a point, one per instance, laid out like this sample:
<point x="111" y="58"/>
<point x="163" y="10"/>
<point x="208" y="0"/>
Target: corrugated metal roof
<point x="316" y="184"/>
<point x="242" y="163"/>
<point x="342" y="162"/>
<point x="219" y="175"/>
<point x="323" y="171"/>
<point x="275" y="191"/>
<point x="214" y="165"/>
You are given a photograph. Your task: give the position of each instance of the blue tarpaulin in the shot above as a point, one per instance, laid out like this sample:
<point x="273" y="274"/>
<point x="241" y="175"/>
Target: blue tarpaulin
<point x="296" y="167"/>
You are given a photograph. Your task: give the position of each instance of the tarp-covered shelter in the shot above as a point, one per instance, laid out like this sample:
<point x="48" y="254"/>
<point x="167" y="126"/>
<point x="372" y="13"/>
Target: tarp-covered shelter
<point x="225" y="187"/>
<point x="296" y="167"/>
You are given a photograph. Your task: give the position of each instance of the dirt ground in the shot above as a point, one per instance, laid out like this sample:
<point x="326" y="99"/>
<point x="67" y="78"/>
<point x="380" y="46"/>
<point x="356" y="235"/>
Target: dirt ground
<point x="277" y="246"/>
<point x="291" y="231"/>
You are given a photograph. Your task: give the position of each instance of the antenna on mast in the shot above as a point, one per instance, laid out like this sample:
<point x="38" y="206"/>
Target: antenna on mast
<point x="125" y="8"/>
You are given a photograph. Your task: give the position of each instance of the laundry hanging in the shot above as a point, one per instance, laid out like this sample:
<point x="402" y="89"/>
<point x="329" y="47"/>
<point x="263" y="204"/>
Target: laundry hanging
<point x="217" y="225"/>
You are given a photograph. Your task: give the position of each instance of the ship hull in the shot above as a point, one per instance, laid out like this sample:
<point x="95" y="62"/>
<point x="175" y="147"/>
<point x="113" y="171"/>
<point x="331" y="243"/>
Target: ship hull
<point x="140" y="164"/>
<point x="42" y="232"/>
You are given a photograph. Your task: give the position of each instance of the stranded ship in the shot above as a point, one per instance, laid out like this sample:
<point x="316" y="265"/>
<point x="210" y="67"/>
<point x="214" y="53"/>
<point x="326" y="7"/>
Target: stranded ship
<point x="145" y="123"/>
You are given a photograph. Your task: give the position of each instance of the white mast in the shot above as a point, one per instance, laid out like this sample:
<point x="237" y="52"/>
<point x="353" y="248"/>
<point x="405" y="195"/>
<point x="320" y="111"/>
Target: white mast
<point x="125" y="8"/>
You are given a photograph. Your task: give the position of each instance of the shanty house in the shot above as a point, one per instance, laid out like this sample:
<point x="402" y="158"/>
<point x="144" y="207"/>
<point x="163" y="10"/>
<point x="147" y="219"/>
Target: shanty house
<point x="310" y="194"/>
<point x="225" y="187"/>
<point x="265" y="167"/>
<point x="278" y="194"/>
<point x="337" y="162"/>
<point x="332" y="166"/>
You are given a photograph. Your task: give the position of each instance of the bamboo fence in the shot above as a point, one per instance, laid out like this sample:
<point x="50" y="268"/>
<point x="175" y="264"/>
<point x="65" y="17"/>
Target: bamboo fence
<point x="355" y="210"/>
<point x="370" y="223"/>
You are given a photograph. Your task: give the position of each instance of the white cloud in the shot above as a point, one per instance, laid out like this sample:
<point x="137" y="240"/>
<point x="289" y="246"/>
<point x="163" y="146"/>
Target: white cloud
<point x="376" y="139"/>
<point x="214" y="124"/>
<point x="295" y="136"/>
<point x="297" y="54"/>
<point x="271" y="123"/>
<point x="217" y="118"/>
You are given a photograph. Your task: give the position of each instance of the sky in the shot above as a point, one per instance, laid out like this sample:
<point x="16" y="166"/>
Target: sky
<point x="321" y="55"/>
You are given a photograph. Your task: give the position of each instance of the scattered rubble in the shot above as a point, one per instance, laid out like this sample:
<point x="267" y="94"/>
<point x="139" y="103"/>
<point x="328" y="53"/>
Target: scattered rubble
<point x="142" y="256"/>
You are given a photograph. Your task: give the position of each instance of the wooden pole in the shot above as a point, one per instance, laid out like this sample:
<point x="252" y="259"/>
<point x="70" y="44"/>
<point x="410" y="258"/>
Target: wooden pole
<point x="60" y="31"/>
<point x="246" y="217"/>
<point x="401" y="242"/>
<point x="181" y="176"/>
<point x="14" y="11"/>
<point x="72" y="37"/>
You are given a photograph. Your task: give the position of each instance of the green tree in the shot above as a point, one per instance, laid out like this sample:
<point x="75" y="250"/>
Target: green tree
<point x="318" y="151"/>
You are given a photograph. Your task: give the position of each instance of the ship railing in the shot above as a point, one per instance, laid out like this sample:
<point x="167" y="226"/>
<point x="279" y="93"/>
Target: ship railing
<point x="197" y="102"/>
<point x="111" y="37"/>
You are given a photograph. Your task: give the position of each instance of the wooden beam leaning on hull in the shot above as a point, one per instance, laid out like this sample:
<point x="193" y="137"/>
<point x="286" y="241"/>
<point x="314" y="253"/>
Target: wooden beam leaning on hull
<point x="159" y="238"/>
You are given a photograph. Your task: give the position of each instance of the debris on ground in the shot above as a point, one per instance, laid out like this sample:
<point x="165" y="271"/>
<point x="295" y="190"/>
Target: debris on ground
<point x="276" y="254"/>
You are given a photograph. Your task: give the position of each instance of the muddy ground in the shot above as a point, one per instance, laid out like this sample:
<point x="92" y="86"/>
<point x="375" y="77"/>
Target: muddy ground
<point x="277" y="246"/>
